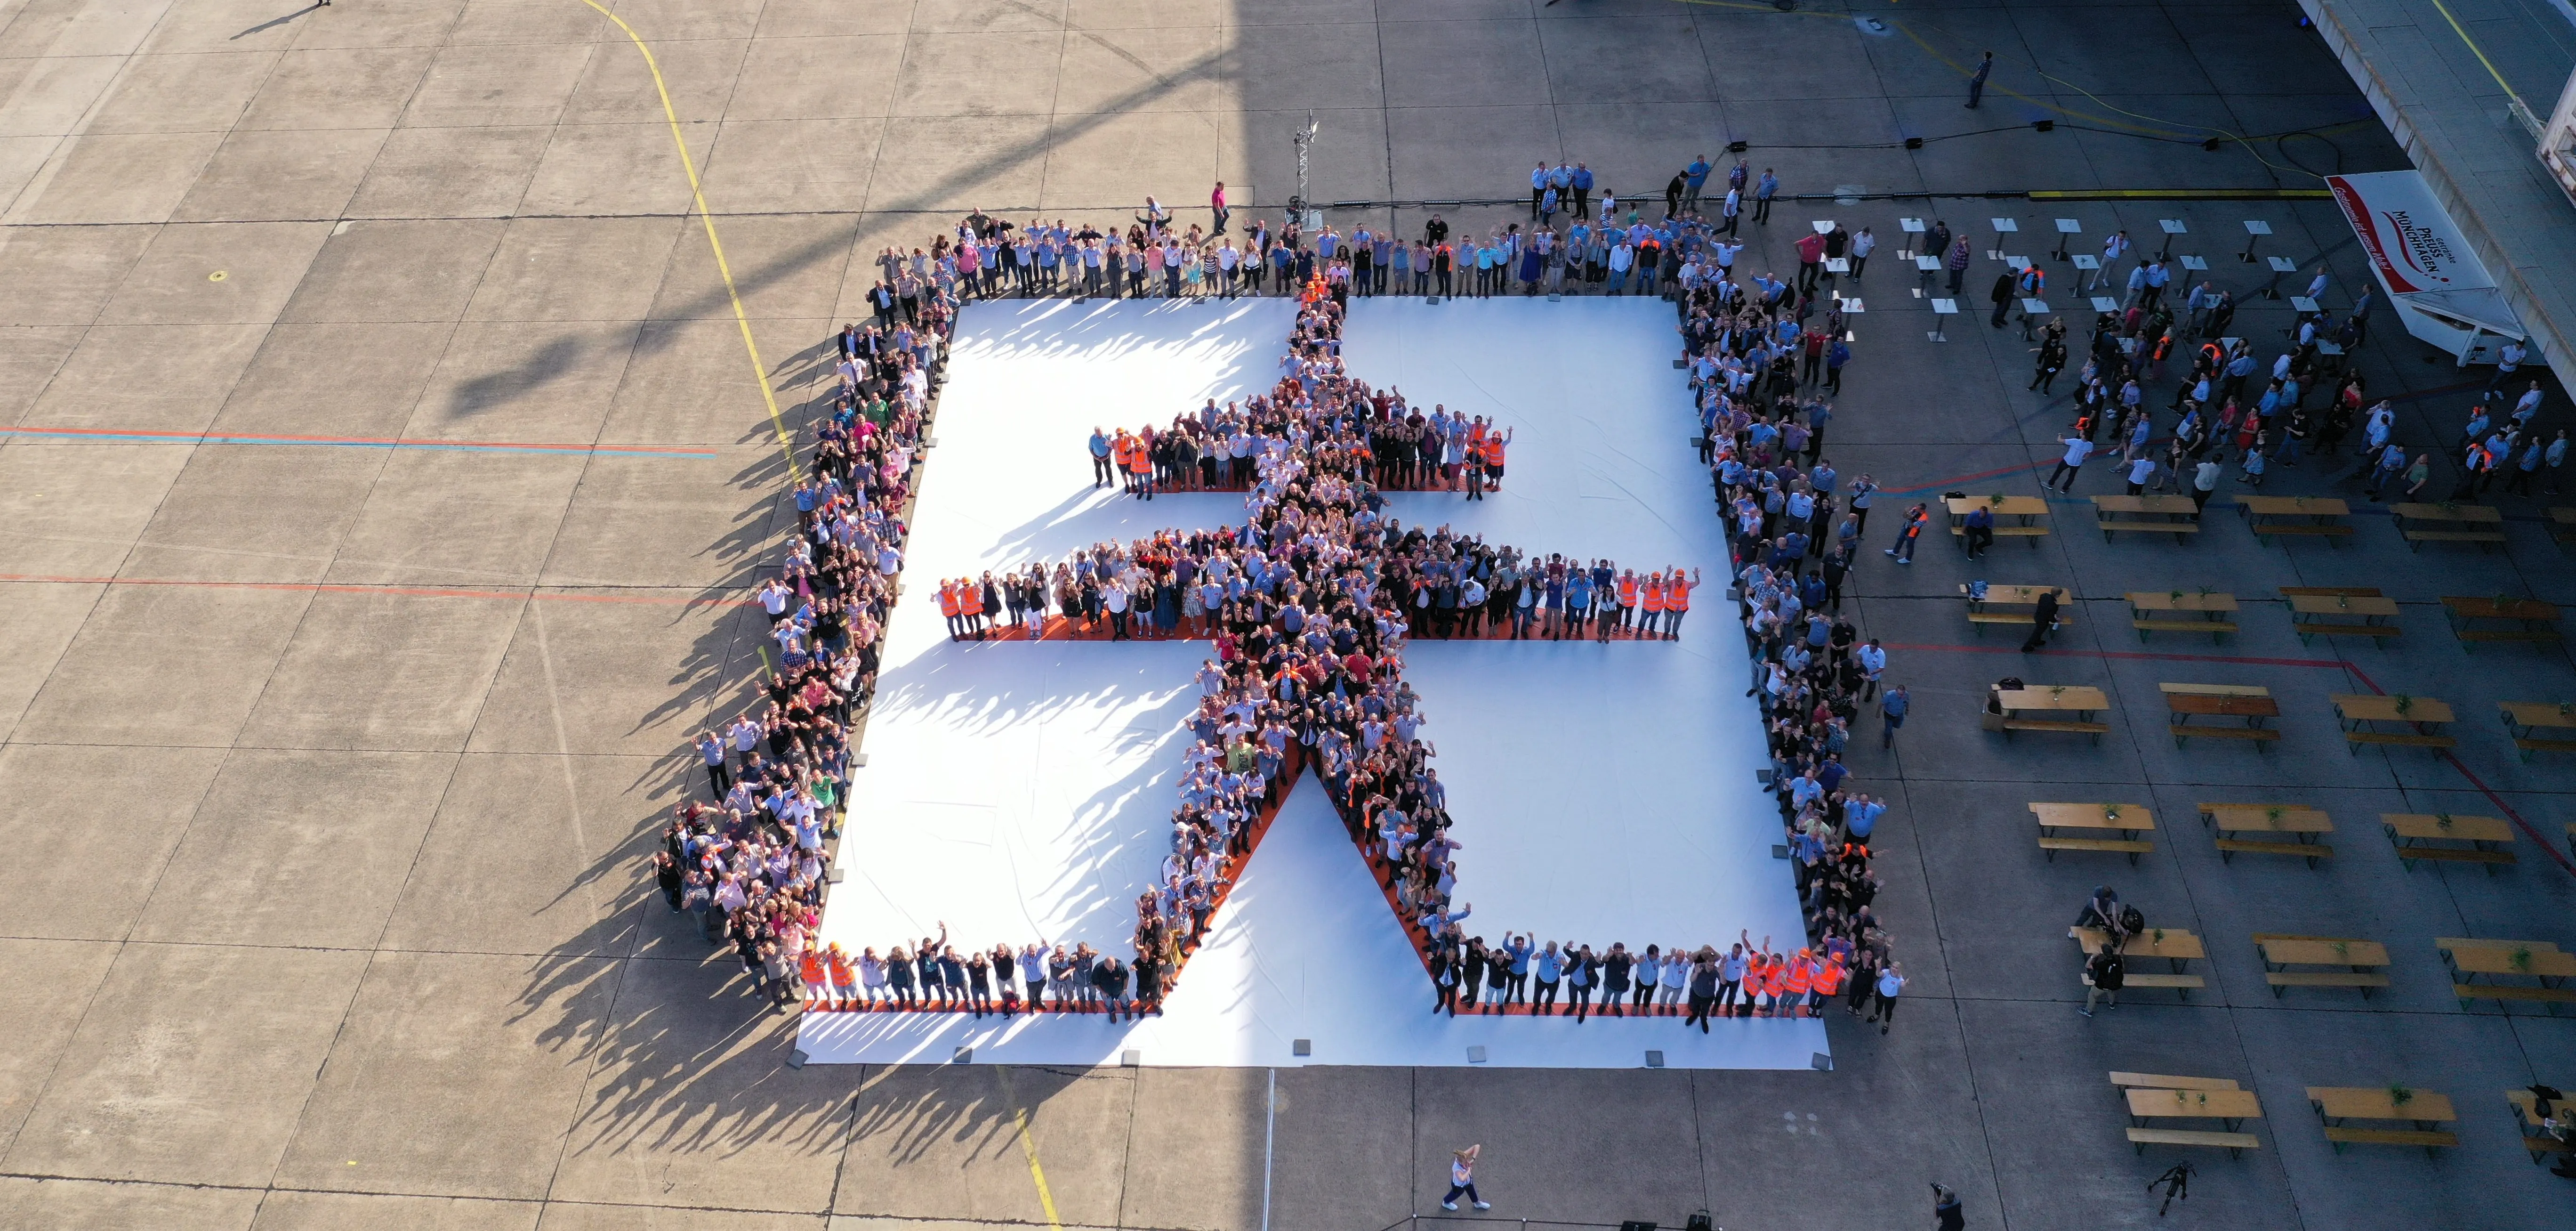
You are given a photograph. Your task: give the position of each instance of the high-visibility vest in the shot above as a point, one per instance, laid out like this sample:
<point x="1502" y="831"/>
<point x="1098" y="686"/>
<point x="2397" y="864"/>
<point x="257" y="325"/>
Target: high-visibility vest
<point x="1754" y="966"/>
<point x="948" y="599"/>
<point x="1829" y="979"/>
<point x="971" y="597"/>
<point x="1676" y="593"/>
<point x="838" y="964"/>
<point x="1799" y="979"/>
<point x="1628" y="591"/>
<point x="1654" y="594"/>
<point x="1775" y="979"/>
<point x="1140" y="458"/>
<point x="1494" y="450"/>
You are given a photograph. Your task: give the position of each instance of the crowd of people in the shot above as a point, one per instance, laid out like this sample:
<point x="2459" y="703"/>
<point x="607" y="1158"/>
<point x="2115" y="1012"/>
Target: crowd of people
<point x="1309" y="603"/>
<point x="748" y="863"/>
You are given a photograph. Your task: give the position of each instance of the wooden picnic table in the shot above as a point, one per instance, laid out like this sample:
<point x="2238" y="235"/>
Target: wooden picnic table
<point x="2416" y="834"/>
<point x="2422" y="1108"/>
<point x="1981" y="610"/>
<point x="2562" y="524"/>
<point x="2536" y="1137"/>
<point x="2181" y="707"/>
<point x="2301" y="824"/>
<point x="2524" y="720"/>
<point x="2457" y="523"/>
<point x="2150" y="1097"/>
<point x="2178" y="947"/>
<point x="2322" y="951"/>
<point x="2125" y="1082"/>
<point x="2546" y="965"/>
<point x="2532" y="620"/>
<point x="2361" y="714"/>
<point x="2011" y="710"/>
<point x="2027" y="512"/>
<point x="2174" y="515"/>
<point x="2358" y="962"/>
<point x="2342" y="615"/>
<point x="2075" y="699"/>
<point x="2538" y="960"/>
<point x="2318" y="516"/>
<point x="2153" y="611"/>
<point x="2231" y="1107"/>
<point x="2127" y="820"/>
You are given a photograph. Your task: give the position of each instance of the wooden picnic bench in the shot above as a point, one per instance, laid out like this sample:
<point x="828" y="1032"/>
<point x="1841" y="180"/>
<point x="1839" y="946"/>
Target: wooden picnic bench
<point x="2340" y="612"/>
<point x="2361" y="962"/>
<point x="2023" y="601"/>
<point x="2415" y="835"/>
<point x="2473" y="619"/>
<point x="2524" y="719"/>
<point x="2536" y="1137"/>
<point x="2421" y="1108"/>
<point x="2449" y="523"/>
<point x="2208" y="611"/>
<point x="2313" y="516"/>
<point x="2127" y="820"/>
<point x="2174" y="515"/>
<point x="2179" y="949"/>
<point x="2562" y="525"/>
<point x="2538" y="960"/>
<point x="2362" y="715"/>
<point x="2126" y="1084"/>
<point x="2183" y="702"/>
<point x="2028" y="512"/>
<point x="2011" y="709"/>
<point x="2231" y="1108"/>
<point x="2300" y="822"/>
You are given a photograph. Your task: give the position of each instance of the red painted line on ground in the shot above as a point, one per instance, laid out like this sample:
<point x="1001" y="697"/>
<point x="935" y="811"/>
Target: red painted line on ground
<point x="402" y="591"/>
<point x="2520" y="822"/>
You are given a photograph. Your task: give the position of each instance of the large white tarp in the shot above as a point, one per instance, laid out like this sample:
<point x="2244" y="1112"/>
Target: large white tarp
<point x="1021" y="791"/>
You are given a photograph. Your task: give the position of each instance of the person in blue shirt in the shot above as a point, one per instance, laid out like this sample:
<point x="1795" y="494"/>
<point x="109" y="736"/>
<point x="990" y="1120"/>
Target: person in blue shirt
<point x="1538" y="188"/>
<point x="1768" y="188"/>
<point x="1694" y="178"/>
<point x="1582" y="191"/>
<point x="1892" y="708"/>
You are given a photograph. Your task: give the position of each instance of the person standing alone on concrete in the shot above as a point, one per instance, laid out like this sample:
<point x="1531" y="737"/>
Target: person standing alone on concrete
<point x="1462" y="1179"/>
<point x="1977" y="80"/>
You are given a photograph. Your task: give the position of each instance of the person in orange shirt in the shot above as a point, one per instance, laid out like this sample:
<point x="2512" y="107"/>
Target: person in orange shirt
<point x="1494" y="443"/>
<point x="1677" y="601"/>
<point x="818" y="990"/>
<point x="1652" y="600"/>
<point x="1140" y="467"/>
<point x="1757" y="971"/>
<point x="970" y="606"/>
<point x="1628" y="587"/>
<point x="844" y="988"/>
<point x="1829" y="983"/>
<point x="951" y="608"/>
<point x="1773" y="985"/>
<point x="1122" y="454"/>
<point x="1795" y="985"/>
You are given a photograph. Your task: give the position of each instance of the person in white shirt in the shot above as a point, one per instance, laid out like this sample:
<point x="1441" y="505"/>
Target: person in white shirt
<point x="2077" y="449"/>
<point x="2141" y="469"/>
<point x="2113" y="249"/>
<point x="1862" y="245"/>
